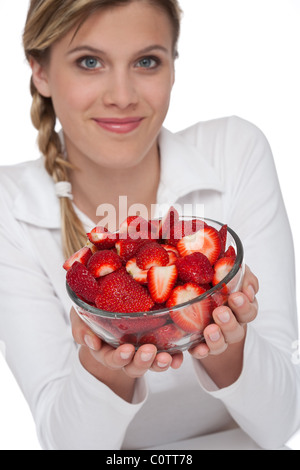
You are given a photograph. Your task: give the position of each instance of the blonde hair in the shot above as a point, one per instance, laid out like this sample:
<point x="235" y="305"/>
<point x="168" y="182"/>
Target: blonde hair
<point x="48" y="21"/>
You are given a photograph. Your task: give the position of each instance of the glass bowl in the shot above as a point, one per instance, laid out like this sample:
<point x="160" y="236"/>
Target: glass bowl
<point x="157" y="327"/>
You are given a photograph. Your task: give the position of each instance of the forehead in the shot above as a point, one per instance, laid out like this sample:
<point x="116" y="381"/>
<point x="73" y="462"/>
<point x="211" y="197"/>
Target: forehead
<point x="136" y="25"/>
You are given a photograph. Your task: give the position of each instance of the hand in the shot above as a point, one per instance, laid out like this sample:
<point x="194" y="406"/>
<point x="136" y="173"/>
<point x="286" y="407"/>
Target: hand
<point x="230" y="321"/>
<point x="124" y="358"/>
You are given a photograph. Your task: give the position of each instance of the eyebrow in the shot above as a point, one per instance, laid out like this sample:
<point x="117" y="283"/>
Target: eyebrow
<point x="86" y="48"/>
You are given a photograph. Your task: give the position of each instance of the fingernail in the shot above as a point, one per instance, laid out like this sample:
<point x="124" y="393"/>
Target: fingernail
<point x="125" y="355"/>
<point x="162" y="364"/>
<point x="238" y="300"/>
<point x="146" y="356"/>
<point x="224" y="316"/>
<point x="89" y="342"/>
<point x="251" y="293"/>
<point x="215" y="336"/>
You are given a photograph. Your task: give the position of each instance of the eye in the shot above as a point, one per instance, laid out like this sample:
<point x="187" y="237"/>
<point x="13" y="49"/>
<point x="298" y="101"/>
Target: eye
<point x="90" y="63"/>
<point x="148" y="63"/>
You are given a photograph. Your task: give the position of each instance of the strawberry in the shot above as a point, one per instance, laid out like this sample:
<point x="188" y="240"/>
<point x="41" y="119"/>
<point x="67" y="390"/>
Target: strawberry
<point x="195" y="268"/>
<point x="194" y="317"/>
<point x="136" y="227"/>
<point x="164" y="337"/>
<point x="206" y="241"/>
<point x="140" y="275"/>
<point x="104" y="262"/>
<point x="82" y="256"/>
<point x="230" y="253"/>
<point x="222" y="267"/>
<point x="82" y="282"/>
<point x="151" y="254"/>
<point x="119" y="292"/>
<point x="138" y="324"/>
<point x="183" y="228"/>
<point x="161" y="280"/>
<point x="102" y="238"/>
<point x="223" y="239"/>
<point x="167" y="223"/>
<point x="128" y="247"/>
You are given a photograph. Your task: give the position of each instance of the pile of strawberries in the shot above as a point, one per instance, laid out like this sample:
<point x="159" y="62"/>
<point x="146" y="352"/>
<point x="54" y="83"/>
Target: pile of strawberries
<point x="149" y="266"/>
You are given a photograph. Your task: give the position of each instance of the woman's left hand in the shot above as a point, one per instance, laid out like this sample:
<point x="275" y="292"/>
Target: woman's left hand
<point x="230" y="321"/>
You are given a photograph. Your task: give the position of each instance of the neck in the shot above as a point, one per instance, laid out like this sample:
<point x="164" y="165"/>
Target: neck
<point x="96" y="188"/>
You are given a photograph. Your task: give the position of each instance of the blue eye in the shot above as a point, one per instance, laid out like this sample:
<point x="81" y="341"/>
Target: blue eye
<point x="90" y="63"/>
<point x="148" y="63"/>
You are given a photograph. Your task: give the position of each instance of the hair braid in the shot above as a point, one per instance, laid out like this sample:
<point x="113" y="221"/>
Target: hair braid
<point x="44" y="119"/>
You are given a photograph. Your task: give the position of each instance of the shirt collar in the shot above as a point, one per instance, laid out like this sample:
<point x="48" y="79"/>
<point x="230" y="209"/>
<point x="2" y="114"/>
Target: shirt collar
<point x="183" y="170"/>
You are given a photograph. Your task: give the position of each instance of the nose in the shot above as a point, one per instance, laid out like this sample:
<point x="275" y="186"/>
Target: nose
<point x="120" y="90"/>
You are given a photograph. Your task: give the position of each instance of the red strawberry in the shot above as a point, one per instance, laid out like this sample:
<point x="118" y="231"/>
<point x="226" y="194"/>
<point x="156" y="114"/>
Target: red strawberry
<point x="164" y="337"/>
<point x="127" y="247"/>
<point x="161" y="280"/>
<point x="230" y="253"/>
<point x="119" y="292"/>
<point x="140" y="275"/>
<point x="195" y="268"/>
<point x="206" y="241"/>
<point x="82" y="282"/>
<point x="151" y="254"/>
<point x="194" y="317"/>
<point x="183" y="228"/>
<point x="223" y="239"/>
<point x="138" y="324"/>
<point x="82" y="256"/>
<point x="222" y="267"/>
<point x="104" y="262"/>
<point x="167" y="223"/>
<point x="136" y="227"/>
<point x="102" y="238"/>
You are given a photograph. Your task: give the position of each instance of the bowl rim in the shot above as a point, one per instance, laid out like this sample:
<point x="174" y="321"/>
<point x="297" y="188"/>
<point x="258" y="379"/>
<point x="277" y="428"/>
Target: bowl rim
<point x="117" y="315"/>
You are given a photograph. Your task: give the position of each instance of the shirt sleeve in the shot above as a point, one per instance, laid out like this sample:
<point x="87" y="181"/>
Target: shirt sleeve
<point x="265" y="400"/>
<point x="72" y="410"/>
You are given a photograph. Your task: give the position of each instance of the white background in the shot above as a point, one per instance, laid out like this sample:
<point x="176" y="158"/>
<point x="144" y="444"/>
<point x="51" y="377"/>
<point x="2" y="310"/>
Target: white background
<point x="237" y="57"/>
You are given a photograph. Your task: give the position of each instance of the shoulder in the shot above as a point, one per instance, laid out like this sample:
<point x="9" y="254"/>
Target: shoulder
<point x="12" y="175"/>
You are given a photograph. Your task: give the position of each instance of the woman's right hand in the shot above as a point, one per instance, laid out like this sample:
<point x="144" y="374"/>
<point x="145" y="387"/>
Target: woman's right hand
<point x="121" y="366"/>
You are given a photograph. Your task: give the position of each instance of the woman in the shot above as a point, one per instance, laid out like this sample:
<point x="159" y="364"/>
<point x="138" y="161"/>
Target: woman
<point x="105" y="70"/>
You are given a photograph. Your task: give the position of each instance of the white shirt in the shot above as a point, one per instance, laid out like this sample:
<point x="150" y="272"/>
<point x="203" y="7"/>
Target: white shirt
<point x="226" y="165"/>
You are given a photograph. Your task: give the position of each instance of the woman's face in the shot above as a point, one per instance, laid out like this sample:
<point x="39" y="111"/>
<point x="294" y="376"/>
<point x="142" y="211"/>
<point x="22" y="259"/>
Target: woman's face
<point x="111" y="83"/>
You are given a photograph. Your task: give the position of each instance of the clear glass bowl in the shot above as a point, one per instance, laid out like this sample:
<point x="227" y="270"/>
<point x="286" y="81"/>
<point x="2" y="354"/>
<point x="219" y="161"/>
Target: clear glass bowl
<point x="157" y="327"/>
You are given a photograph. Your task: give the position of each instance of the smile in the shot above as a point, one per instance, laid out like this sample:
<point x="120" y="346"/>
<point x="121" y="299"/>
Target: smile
<point x="119" y="126"/>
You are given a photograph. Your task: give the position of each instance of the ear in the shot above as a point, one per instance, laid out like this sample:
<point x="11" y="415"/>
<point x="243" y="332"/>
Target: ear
<point x="40" y="78"/>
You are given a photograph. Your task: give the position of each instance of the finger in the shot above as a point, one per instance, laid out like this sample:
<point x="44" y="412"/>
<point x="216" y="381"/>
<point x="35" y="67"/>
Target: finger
<point x="200" y="351"/>
<point x="82" y="334"/>
<point x="142" y="361"/>
<point x="177" y="360"/>
<point x="232" y="330"/>
<point x="114" y="358"/>
<point x="250" y="286"/>
<point x="215" y="340"/>
<point x="162" y="362"/>
<point x="244" y="310"/>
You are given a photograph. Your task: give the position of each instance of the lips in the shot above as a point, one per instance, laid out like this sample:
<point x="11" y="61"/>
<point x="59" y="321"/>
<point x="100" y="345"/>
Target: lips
<point x="119" y="126"/>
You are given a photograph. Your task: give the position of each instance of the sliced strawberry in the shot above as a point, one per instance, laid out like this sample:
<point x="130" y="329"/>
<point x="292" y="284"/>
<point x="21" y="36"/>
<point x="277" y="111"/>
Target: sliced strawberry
<point x="104" y="262"/>
<point x="82" y="256"/>
<point x="140" y="275"/>
<point x="164" y="337"/>
<point x="230" y="253"/>
<point x="167" y="223"/>
<point x="223" y="239"/>
<point x="161" y="280"/>
<point x="194" y="317"/>
<point x="102" y="238"/>
<point x="195" y="268"/>
<point x="136" y="227"/>
<point x="222" y="267"/>
<point x="82" y="282"/>
<point x="119" y="292"/>
<point x="139" y="324"/>
<point x="183" y="228"/>
<point x="171" y="248"/>
<point x="206" y="241"/>
<point x="151" y="254"/>
<point x="172" y="258"/>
